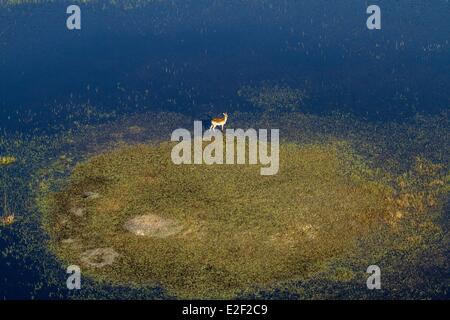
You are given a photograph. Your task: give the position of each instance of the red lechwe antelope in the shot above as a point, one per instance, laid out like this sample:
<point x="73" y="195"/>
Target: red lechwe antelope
<point x="219" y="121"/>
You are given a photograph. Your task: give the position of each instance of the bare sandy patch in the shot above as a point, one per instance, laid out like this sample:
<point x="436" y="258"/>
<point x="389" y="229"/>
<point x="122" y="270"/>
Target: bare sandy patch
<point x="99" y="257"/>
<point x="153" y="226"/>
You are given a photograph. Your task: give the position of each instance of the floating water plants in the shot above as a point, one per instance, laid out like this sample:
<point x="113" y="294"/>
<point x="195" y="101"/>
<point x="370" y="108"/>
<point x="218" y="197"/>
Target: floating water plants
<point x="7" y="160"/>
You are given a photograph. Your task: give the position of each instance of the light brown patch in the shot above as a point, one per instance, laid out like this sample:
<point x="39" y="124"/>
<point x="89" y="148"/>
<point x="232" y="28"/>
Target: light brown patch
<point x="153" y="226"/>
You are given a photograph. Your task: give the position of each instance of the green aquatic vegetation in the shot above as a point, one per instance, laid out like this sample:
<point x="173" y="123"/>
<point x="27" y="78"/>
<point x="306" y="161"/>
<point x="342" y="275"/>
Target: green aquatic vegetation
<point x="217" y="231"/>
<point x="274" y="99"/>
<point x="7" y="160"/>
<point x="405" y="165"/>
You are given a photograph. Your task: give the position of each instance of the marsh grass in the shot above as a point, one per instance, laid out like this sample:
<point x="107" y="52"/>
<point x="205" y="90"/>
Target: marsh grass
<point x="348" y="195"/>
<point x="241" y="230"/>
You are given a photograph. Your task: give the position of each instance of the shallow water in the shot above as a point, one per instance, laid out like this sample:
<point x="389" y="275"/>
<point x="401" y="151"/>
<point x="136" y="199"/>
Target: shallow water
<point x="193" y="56"/>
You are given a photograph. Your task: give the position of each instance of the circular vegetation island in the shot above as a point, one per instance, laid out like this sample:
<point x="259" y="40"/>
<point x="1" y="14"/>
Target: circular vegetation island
<point x="131" y="217"/>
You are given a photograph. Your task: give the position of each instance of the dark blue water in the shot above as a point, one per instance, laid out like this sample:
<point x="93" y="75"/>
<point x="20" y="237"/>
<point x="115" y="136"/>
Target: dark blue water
<point x="192" y="56"/>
